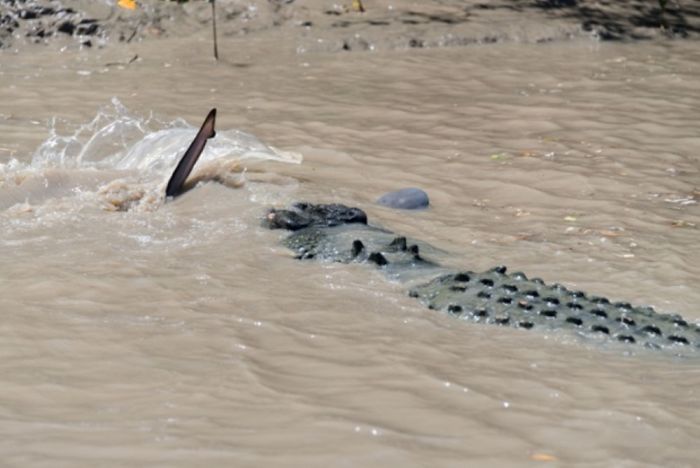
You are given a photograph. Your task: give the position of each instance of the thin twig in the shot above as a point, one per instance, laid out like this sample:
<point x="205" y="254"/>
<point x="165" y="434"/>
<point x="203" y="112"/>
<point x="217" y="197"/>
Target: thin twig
<point x="213" y="22"/>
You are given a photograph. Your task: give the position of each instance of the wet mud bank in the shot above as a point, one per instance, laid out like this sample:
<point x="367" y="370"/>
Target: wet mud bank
<point x="324" y="26"/>
<point x="80" y="23"/>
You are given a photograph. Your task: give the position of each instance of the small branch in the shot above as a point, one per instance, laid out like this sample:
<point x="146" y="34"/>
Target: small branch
<point x="213" y="22"/>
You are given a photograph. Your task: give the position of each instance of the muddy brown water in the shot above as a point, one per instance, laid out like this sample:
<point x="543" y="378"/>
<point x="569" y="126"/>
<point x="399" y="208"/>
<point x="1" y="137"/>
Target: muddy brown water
<point x="182" y="334"/>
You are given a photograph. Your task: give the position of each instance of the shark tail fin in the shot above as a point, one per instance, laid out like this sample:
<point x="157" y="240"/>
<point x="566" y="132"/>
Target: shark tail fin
<point x="186" y="164"/>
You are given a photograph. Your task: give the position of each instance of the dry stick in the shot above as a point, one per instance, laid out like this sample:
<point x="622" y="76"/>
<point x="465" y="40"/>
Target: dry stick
<point x="213" y="22"/>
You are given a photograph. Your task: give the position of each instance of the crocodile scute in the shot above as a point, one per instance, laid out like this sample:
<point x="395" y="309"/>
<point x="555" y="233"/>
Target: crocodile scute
<point x="339" y="233"/>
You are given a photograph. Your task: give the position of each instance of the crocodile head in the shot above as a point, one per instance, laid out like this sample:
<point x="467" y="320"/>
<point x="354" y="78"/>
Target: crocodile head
<point x="302" y="215"/>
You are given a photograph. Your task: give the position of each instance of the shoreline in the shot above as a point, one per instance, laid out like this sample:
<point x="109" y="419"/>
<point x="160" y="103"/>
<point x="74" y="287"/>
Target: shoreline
<point x="321" y="26"/>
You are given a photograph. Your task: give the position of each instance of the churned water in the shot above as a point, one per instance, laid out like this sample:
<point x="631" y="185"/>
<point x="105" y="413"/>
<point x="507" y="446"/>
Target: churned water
<point x="182" y="333"/>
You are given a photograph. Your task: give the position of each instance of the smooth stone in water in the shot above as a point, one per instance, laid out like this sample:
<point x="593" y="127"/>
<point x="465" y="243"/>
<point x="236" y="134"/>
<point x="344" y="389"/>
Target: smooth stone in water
<point x="405" y="199"/>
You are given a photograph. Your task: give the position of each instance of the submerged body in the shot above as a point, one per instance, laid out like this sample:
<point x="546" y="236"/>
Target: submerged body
<point x="341" y="234"/>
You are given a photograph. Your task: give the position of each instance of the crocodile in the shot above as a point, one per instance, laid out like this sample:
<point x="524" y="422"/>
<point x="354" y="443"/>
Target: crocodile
<point x="338" y="233"/>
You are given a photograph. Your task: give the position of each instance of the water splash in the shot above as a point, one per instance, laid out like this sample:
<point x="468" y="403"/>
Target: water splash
<point x="125" y="160"/>
<point x="118" y="139"/>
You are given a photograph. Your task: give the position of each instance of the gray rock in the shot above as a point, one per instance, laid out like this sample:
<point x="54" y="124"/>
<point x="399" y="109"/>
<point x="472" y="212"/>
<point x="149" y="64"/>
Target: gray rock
<point x="405" y="199"/>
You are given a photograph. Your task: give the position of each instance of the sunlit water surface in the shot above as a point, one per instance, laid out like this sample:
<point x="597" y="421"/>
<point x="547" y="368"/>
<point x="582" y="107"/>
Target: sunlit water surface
<point x="182" y="334"/>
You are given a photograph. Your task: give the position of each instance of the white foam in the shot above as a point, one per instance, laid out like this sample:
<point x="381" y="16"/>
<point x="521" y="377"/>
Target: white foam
<point x="125" y="160"/>
<point x="117" y="139"/>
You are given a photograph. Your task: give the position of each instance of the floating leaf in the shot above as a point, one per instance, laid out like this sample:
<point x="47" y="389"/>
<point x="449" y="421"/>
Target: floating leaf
<point x="358" y="6"/>
<point x="608" y="233"/>
<point x="570" y="218"/>
<point x="683" y="224"/>
<point x="128" y="4"/>
<point x="543" y="457"/>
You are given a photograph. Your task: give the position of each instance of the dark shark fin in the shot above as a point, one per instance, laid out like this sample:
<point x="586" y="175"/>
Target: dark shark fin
<point x="184" y="167"/>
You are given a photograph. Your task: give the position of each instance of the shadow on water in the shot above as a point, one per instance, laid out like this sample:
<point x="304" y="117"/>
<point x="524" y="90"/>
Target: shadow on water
<point x="616" y="19"/>
<point x="608" y="19"/>
<point x="627" y="19"/>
